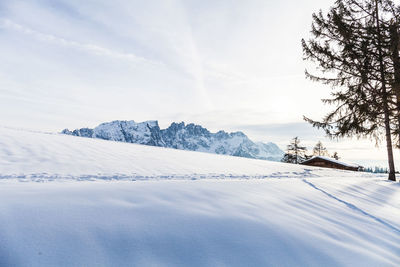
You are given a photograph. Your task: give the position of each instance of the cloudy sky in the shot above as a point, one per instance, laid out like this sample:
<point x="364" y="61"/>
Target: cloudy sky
<point x="224" y="64"/>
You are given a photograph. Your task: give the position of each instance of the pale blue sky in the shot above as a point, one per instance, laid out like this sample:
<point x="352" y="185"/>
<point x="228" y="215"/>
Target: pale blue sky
<point x="232" y="65"/>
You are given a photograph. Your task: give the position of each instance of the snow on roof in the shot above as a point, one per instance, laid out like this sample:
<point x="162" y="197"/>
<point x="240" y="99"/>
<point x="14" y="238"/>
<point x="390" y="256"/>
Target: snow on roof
<point x="352" y="165"/>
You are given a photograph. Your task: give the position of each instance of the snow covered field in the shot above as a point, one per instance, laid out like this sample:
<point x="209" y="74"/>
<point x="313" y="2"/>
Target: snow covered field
<point x="70" y="201"/>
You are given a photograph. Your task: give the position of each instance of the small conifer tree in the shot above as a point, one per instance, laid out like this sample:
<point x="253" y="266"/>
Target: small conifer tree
<point x="320" y="150"/>
<point x="295" y="153"/>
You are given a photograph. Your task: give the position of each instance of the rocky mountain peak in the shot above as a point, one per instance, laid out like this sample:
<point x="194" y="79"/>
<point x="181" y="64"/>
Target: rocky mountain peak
<point x="181" y="136"/>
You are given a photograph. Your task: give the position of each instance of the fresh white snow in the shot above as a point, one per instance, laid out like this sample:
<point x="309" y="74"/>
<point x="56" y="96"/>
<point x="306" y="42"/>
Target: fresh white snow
<point x="71" y="201"/>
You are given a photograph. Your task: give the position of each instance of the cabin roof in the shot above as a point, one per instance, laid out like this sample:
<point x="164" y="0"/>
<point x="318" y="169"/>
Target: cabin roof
<point x="346" y="164"/>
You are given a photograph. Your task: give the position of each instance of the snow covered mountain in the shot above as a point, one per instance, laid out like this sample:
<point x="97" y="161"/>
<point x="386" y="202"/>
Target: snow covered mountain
<point x="181" y="136"/>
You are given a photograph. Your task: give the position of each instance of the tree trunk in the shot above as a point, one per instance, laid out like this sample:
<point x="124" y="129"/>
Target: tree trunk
<point x="386" y="111"/>
<point x="389" y="146"/>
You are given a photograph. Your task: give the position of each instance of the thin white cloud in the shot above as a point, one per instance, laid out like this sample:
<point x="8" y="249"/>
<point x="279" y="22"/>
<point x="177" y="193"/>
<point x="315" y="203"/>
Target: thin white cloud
<point x="91" y="48"/>
<point x="194" y="65"/>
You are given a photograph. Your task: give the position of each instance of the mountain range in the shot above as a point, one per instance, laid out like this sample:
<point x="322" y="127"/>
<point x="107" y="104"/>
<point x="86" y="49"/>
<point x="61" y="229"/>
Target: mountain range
<point x="182" y="136"/>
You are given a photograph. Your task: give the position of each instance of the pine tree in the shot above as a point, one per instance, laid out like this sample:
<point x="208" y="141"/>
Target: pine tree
<point x="335" y="156"/>
<point x="320" y="150"/>
<point x="349" y="46"/>
<point x="295" y="153"/>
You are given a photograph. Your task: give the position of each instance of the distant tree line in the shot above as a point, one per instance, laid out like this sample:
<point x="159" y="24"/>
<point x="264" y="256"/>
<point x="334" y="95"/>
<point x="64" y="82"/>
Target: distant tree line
<point x="376" y="169"/>
<point x="355" y="48"/>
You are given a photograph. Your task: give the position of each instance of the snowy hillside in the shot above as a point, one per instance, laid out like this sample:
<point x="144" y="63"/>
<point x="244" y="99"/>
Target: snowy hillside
<point x="67" y="201"/>
<point x="180" y="136"/>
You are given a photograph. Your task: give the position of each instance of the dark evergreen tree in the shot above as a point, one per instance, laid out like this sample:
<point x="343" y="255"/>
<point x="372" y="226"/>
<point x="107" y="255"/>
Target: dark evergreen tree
<point x="335" y="156"/>
<point x="349" y="46"/>
<point x="295" y="153"/>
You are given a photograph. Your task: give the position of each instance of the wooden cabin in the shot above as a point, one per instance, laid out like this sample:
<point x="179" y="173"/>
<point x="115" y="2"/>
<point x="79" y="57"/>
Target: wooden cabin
<point x="325" y="162"/>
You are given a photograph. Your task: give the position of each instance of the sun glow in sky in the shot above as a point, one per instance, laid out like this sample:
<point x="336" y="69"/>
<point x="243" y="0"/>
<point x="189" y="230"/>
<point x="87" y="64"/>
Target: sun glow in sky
<point x="232" y="65"/>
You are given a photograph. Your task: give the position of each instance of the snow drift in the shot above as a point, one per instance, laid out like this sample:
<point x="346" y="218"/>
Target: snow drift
<point x="70" y="201"/>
